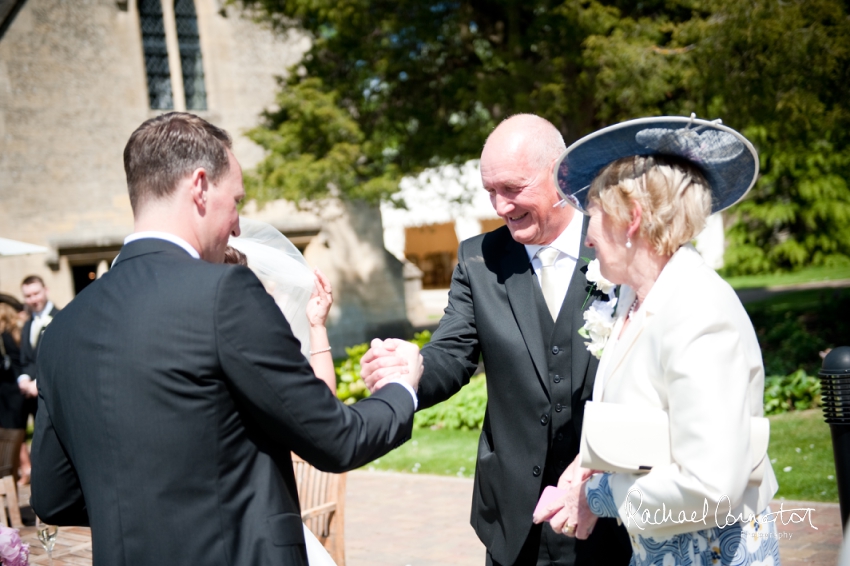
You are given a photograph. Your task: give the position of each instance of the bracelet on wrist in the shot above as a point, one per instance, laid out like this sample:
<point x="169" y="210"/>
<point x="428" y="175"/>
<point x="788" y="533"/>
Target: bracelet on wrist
<point x="314" y="352"/>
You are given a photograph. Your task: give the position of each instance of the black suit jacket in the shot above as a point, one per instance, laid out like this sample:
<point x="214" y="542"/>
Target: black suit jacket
<point x="537" y="384"/>
<point x="171" y="392"/>
<point x="29" y="355"/>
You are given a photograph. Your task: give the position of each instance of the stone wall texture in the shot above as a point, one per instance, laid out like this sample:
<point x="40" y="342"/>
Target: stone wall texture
<point x="72" y="90"/>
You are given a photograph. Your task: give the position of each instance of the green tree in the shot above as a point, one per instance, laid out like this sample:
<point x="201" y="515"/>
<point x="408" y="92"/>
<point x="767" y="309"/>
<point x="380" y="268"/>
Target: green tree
<point x="389" y="88"/>
<point x="779" y="70"/>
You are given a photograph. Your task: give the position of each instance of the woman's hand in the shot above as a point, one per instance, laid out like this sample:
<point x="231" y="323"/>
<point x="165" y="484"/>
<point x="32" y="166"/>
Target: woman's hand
<point x="574" y="518"/>
<point x="320" y="301"/>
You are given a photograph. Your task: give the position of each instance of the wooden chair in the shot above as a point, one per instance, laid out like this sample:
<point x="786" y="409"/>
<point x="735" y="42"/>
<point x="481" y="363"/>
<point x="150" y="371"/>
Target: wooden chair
<point x="9" y="501"/>
<point x="322" y="497"/>
<point x="11" y="440"/>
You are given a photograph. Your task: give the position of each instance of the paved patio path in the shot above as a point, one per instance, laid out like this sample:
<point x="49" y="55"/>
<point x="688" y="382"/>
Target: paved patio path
<point x="419" y="520"/>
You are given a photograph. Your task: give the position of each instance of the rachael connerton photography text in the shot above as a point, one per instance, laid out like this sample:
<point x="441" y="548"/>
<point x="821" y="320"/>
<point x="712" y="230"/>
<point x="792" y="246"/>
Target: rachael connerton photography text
<point x="723" y="515"/>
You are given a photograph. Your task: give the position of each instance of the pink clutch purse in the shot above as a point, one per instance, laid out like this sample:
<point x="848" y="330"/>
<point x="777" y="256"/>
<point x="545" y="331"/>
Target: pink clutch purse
<point x="550" y="494"/>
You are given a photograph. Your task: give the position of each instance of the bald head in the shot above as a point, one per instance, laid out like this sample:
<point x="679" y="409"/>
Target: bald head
<point x="516" y="169"/>
<point x="531" y="137"/>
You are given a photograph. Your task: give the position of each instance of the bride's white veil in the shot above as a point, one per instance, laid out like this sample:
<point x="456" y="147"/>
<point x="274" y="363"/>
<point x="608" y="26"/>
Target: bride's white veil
<point x="282" y="270"/>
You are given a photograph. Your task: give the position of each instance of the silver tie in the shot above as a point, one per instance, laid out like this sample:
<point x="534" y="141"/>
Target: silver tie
<point x="547" y="258"/>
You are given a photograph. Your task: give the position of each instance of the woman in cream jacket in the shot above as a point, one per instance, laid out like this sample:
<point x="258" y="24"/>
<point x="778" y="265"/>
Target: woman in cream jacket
<point x="682" y="343"/>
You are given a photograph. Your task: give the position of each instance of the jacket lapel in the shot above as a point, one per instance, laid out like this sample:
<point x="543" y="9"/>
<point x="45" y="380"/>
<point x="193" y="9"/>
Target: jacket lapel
<point x="519" y="286"/>
<point x="623" y="346"/>
<point x="669" y="280"/>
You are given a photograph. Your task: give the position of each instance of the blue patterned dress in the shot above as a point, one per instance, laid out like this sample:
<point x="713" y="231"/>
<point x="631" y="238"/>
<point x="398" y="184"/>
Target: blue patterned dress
<point x="753" y="543"/>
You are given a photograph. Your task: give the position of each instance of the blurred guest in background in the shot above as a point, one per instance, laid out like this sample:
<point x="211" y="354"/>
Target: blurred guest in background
<point x="12" y="413"/>
<point x="42" y="311"/>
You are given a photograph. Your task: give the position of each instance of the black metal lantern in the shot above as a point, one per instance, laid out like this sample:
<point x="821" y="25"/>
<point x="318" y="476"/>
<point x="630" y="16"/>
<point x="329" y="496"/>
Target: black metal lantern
<point x="835" y="395"/>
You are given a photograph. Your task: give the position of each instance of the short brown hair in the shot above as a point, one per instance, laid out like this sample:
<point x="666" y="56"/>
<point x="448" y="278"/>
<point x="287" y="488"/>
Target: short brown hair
<point x="30" y="279"/>
<point x="167" y="148"/>
<point x="673" y="194"/>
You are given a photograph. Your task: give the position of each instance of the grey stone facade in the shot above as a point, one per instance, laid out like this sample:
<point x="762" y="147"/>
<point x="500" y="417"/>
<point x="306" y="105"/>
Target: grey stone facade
<point x="72" y="89"/>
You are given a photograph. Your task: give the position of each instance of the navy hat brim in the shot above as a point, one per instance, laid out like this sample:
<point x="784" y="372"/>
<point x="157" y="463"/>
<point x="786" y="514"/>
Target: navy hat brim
<point x="726" y="158"/>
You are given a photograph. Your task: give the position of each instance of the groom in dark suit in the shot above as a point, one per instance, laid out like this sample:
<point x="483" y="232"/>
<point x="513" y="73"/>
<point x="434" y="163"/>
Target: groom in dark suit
<point x="172" y="389"/>
<point x="516" y="299"/>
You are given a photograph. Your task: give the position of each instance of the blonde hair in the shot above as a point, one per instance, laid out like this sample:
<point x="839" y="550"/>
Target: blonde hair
<point x="674" y="197"/>
<point x="10" y="322"/>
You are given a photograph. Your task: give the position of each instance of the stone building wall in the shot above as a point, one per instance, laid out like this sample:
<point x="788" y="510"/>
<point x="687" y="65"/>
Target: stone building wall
<point x="73" y="88"/>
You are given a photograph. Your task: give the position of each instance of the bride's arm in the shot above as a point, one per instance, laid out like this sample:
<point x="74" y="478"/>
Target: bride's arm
<point x="321" y="359"/>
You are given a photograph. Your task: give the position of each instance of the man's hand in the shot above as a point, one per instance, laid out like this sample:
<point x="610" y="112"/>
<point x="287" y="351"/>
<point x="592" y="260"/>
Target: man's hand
<point x="391" y="360"/>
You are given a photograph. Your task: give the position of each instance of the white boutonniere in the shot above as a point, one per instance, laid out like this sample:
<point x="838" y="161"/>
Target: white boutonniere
<point x="599" y="317"/>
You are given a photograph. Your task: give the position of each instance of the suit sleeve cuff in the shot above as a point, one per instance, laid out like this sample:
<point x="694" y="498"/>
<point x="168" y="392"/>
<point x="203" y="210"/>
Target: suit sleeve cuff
<point x="411" y="391"/>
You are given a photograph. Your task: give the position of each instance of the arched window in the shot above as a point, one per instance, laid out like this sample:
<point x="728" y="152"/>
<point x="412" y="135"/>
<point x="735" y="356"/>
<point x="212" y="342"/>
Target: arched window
<point x="190" y="54"/>
<point x="156" y="54"/>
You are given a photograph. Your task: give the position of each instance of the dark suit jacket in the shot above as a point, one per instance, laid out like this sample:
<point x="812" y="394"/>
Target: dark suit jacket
<point x="171" y="392"/>
<point x="539" y="375"/>
<point x="29" y="355"/>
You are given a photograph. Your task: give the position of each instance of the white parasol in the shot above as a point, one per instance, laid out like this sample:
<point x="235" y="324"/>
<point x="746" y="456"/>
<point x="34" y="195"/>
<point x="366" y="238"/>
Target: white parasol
<point x="14" y="247"/>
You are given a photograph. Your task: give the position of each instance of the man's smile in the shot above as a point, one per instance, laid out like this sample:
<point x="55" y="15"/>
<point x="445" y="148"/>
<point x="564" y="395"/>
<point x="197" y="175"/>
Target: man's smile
<point x="517" y="218"/>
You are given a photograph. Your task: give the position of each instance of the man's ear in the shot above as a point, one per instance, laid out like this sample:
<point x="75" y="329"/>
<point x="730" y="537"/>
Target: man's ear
<point x="200" y="188"/>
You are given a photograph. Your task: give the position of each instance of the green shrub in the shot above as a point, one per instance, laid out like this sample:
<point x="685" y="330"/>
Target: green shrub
<point x="350" y="387"/>
<point x="463" y="411"/>
<point x="792" y="328"/>
<point x="794" y="392"/>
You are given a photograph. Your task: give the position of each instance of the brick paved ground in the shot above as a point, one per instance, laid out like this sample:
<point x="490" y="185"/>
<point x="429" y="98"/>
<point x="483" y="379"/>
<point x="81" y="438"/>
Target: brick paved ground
<point x="412" y="520"/>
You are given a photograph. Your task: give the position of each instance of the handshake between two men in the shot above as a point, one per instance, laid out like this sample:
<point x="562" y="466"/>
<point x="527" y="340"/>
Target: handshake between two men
<point x="567" y="511"/>
<point x="391" y="360"/>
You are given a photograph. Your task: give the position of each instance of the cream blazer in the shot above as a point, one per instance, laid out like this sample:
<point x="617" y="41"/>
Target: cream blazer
<point x="691" y="351"/>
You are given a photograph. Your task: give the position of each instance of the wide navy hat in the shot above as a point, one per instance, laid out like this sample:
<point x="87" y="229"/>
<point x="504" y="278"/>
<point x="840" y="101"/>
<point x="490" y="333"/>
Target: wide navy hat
<point x="727" y="159"/>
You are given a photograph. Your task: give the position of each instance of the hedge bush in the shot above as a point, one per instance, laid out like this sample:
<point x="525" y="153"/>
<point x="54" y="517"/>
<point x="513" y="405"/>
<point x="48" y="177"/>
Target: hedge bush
<point x="793" y="328"/>
<point x="794" y="392"/>
<point x="350" y="387"/>
<point x="465" y="410"/>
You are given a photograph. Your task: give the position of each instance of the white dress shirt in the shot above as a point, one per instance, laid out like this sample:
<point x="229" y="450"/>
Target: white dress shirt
<point x="568" y="243"/>
<point x="163" y="236"/>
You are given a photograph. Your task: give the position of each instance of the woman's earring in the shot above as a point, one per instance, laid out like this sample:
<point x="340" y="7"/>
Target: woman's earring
<point x="628" y="242"/>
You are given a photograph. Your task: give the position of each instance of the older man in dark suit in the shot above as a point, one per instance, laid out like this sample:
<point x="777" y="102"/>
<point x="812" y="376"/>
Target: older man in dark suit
<point x="172" y="390"/>
<point x="516" y="299"/>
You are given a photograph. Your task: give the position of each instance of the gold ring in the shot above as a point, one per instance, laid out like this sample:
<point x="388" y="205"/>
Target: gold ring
<point x="569" y="530"/>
